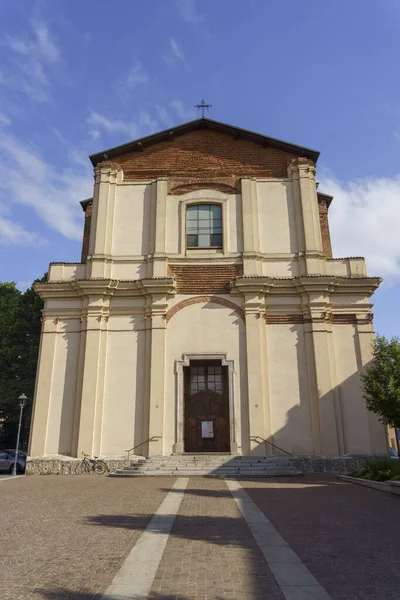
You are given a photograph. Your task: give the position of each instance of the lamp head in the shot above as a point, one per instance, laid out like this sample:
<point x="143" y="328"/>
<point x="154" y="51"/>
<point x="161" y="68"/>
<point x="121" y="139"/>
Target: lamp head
<point x="22" y="400"/>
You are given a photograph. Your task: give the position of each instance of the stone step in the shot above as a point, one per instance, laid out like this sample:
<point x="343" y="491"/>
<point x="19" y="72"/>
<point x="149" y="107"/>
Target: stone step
<point x="189" y="473"/>
<point x="206" y="468"/>
<point x="212" y="464"/>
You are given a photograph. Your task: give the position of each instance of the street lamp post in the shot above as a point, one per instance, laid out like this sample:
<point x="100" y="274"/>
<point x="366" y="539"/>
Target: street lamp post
<point x="22" y="401"/>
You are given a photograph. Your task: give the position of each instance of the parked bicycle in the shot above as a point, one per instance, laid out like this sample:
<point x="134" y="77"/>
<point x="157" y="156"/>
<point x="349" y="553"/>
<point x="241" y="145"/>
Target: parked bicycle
<point x="87" y="464"/>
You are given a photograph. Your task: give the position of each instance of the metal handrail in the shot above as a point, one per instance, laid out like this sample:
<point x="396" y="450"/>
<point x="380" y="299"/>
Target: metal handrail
<point x="155" y="437"/>
<point x="255" y="437"/>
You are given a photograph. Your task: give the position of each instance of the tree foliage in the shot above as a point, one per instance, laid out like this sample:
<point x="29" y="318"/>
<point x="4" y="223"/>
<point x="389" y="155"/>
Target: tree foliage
<point x="20" y="315"/>
<point x="381" y="381"/>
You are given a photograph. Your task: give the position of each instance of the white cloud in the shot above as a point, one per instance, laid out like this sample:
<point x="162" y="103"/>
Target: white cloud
<point x="164" y="116"/>
<point x="26" y="178"/>
<point x="110" y="125"/>
<point x="30" y="58"/>
<point x="176" y="50"/>
<point x="188" y="11"/>
<point x="4" y="120"/>
<point x="12" y="233"/>
<point x="136" y="77"/>
<point x="174" y="54"/>
<point x="186" y="114"/>
<point x="365" y="221"/>
<point x="134" y="129"/>
<point x="41" y="47"/>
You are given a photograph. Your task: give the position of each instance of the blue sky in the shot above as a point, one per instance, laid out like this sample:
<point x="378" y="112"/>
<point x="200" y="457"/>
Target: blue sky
<point x="79" y="77"/>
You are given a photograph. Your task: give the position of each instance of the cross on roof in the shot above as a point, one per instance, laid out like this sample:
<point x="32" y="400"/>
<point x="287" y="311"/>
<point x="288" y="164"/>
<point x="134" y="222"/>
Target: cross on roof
<point x="203" y="104"/>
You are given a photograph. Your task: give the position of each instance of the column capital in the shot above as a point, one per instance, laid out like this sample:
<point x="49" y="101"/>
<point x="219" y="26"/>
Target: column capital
<point x="301" y="167"/>
<point x="107" y="172"/>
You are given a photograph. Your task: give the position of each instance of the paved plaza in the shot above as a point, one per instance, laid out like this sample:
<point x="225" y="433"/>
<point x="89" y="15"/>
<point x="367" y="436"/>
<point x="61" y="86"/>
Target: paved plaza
<point x="302" y="538"/>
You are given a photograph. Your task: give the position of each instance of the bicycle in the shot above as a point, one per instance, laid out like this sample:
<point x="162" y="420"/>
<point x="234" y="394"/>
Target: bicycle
<point x="87" y="464"/>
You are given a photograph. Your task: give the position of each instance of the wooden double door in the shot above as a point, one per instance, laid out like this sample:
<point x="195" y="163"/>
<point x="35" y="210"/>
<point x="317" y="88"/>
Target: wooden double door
<point x="206" y="407"/>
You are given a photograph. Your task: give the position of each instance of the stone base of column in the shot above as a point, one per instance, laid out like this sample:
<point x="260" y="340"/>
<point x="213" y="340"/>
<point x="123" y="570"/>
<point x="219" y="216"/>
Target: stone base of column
<point x="177" y="448"/>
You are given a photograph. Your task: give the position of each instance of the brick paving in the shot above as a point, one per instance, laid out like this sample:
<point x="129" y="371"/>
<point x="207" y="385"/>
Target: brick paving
<point x="211" y="553"/>
<point x="64" y="538"/>
<point x="347" y="535"/>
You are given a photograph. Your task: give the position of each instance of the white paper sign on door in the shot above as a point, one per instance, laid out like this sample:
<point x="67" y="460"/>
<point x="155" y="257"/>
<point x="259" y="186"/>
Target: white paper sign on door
<point x="207" y="429"/>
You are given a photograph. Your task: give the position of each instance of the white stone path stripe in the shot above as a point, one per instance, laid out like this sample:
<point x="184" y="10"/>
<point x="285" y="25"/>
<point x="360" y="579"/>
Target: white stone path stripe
<point x="294" y="579"/>
<point x="135" y="577"/>
<point x="11" y="477"/>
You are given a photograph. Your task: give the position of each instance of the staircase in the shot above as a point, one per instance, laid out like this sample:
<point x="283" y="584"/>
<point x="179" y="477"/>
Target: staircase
<point x="211" y="465"/>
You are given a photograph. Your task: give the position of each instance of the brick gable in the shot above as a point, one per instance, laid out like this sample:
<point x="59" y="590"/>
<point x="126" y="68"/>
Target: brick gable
<point x="201" y="156"/>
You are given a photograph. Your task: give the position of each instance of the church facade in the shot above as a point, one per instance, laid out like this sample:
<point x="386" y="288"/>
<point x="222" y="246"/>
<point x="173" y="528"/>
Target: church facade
<point x="207" y="313"/>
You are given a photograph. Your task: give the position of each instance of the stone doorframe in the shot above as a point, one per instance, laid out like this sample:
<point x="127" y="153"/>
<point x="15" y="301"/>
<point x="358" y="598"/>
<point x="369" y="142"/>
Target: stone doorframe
<point x="178" y="447"/>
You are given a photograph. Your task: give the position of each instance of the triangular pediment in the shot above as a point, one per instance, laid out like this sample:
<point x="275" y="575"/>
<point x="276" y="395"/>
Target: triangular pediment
<point x="204" y="153"/>
<point x="203" y="124"/>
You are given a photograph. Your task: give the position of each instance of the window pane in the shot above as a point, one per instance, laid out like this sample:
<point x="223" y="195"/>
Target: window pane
<point x="192" y="241"/>
<point x="204" y="240"/>
<point x="204" y="211"/>
<point x="217" y="224"/>
<point x="216" y="239"/>
<point x="216" y="211"/>
<point x="192" y="212"/>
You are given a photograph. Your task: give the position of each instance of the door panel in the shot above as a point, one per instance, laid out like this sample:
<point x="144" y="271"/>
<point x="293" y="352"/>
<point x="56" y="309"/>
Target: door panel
<point x="206" y="402"/>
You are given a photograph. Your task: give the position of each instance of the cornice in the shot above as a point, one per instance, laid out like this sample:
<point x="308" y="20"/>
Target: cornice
<point x="164" y="286"/>
<point x="262" y="284"/>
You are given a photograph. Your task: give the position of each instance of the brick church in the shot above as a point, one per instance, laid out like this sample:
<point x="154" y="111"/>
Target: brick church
<point x="207" y="313"/>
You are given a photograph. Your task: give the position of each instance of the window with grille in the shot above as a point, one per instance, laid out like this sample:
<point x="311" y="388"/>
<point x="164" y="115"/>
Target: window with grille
<point x="204" y="226"/>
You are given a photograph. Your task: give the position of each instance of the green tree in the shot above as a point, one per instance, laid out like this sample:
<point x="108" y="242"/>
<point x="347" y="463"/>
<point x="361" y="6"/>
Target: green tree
<point x="381" y="381"/>
<point x="20" y="315"/>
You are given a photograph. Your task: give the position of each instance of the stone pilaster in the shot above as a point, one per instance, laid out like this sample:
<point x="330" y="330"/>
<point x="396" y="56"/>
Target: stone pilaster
<point x="157" y="378"/>
<point x="44" y="381"/>
<point x="90" y="422"/>
<point x="251" y="237"/>
<point x="308" y="229"/>
<point x="160" y="256"/>
<point x="102" y="225"/>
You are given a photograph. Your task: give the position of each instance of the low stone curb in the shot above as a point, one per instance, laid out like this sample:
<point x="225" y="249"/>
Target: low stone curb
<point x="392" y="487"/>
<point x="339" y="465"/>
<point x="62" y="466"/>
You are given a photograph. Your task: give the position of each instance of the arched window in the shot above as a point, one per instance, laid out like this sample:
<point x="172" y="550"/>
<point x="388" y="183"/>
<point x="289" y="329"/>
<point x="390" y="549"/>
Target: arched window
<point x="204" y="226"/>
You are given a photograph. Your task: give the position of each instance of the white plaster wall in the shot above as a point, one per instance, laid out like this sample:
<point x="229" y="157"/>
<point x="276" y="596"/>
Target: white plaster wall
<point x="288" y="388"/>
<point x="277" y="224"/>
<point x="354" y="414"/>
<point x="63" y="388"/>
<point x="124" y="387"/>
<point x="132" y="220"/>
<point x="129" y="270"/>
<point x="205" y="328"/>
<point x="280" y="268"/>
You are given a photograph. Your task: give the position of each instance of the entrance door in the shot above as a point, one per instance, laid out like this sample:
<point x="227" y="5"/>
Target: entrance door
<point x="206" y="407"/>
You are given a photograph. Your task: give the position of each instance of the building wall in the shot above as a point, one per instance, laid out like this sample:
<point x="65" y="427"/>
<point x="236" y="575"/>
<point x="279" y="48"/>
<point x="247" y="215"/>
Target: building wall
<point x="115" y="325"/>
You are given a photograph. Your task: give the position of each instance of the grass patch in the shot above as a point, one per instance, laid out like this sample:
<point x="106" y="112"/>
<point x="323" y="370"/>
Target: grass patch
<point x="379" y="469"/>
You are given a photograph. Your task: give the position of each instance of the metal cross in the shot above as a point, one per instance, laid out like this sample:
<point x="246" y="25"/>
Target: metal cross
<point x="203" y="104"/>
